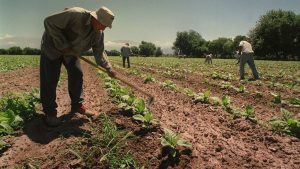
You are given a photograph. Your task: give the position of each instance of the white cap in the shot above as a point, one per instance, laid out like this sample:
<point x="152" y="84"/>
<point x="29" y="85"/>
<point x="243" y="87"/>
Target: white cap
<point x="104" y="16"/>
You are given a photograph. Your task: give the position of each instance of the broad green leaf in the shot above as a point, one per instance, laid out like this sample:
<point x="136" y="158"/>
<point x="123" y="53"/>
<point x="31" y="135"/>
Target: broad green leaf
<point x="6" y="128"/>
<point x="139" y="105"/>
<point x="139" y="117"/>
<point x="184" y="143"/>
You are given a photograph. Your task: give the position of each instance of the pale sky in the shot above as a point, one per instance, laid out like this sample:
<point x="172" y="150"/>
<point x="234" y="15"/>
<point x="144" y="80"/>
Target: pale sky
<point x="156" y="21"/>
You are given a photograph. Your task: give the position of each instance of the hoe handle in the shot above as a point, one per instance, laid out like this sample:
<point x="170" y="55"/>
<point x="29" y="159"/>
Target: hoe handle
<point x="151" y="98"/>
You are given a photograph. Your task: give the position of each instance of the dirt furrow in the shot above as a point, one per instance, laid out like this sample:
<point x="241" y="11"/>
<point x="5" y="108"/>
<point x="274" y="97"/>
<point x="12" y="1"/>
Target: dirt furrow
<point x="19" y="81"/>
<point x="220" y="141"/>
<point x="40" y="141"/>
<point x="240" y="100"/>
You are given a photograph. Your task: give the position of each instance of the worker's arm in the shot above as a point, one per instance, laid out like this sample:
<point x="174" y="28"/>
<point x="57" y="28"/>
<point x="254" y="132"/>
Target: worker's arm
<point x="100" y="55"/>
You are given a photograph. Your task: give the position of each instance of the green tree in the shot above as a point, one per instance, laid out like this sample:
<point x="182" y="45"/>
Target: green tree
<point x="158" y="52"/>
<point x="113" y="53"/>
<point x="15" y="50"/>
<point x="189" y="43"/>
<point x="147" y="48"/>
<point x="31" y="51"/>
<point x="3" y="52"/>
<point x="135" y="50"/>
<point x="275" y="34"/>
<point x="297" y="39"/>
<point x="221" y="47"/>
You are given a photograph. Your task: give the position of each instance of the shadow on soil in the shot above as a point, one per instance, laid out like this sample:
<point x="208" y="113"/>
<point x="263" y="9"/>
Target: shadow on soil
<point x="169" y="161"/>
<point x="39" y="132"/>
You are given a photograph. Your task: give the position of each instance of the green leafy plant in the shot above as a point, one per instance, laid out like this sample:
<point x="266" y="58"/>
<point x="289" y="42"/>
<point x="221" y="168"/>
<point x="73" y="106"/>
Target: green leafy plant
<point x="206" y="95"/>
<point x="134" y="72"/>
<point x="147" y="119"/>
<point x="226" y="102"/>
<point x="139" y="106"/>
<point x="9" y="121"/>
<point x="215" y="75"/>
<point x="202" y="97"/>
<point x="257" y="94"/>
<point x="15" y="108"/>
<point x="127" y="103"/>
<point x="149" y="79"/>
<point x="272" y="83"/>
<point x="133" y="104"/>
<point x="169" y="84"/>
<point x="226" y="85"/>
<point x="173" y="140"/>
<point x="286" y="123"/>
<point x="294" y="101"/>
<point x="249" y="113"/>
<point x="216" y="101"/>
<point x="189" y="92"/>
<point x="292" y="85"/>
<point x="242" y="89"/>
<point x="277" y="98"/>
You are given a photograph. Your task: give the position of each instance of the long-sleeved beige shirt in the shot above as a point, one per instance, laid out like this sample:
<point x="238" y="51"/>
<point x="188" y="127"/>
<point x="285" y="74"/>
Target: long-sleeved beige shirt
<point x="72" y="28"/>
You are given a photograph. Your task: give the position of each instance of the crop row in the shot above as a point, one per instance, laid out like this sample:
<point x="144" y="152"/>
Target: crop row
<point x="15" y="109"/>
<point x="286" y="123"/>
<point x="11" y="62"/>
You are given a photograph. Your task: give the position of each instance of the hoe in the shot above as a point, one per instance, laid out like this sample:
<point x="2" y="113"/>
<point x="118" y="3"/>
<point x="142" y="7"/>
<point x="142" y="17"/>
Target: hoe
<point x="150" y="97"/>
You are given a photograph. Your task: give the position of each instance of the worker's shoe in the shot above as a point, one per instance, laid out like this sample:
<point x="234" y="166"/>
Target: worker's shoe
<point x="53" y="121"/>
<point x="253" y="79"/>
<point x="84" y="111"/>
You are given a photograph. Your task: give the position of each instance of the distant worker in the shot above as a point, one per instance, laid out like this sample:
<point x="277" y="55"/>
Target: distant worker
<point x="246" y="56"/>
<point x="126" y="52"/>
<point x="237" y="57"/>
<point x="208" y="59"/>
<point x="68" y="34"/>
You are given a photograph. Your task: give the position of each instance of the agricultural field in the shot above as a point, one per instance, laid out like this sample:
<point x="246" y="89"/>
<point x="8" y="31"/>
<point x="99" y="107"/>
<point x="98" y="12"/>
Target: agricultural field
<point x="202" y="116"/>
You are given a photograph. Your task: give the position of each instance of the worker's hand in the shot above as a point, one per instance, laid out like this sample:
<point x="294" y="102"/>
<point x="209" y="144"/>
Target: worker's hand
<point x="111" y="72"/>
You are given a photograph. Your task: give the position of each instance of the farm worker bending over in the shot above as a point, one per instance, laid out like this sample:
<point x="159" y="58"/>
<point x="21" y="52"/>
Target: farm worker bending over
<point x="208" y="59"/>
<point x="68" y="34"/>
<point x="246" y="52"/>
<point x="126" y="52"/>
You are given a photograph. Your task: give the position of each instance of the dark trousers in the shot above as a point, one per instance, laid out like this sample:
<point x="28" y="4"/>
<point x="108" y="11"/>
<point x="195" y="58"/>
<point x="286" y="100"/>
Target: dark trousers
<point x="49" y="77"/>
<point x="128" y="62"/>
<point x="247" y="58"/>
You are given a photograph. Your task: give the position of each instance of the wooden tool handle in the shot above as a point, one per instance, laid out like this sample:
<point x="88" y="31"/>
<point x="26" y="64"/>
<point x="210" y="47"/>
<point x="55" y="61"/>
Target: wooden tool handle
<point x="151" y="100"/>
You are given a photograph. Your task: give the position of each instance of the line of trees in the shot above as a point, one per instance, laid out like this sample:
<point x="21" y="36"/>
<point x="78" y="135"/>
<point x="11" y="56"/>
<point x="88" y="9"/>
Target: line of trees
<point x="144" y="49"/>
<point x="276" y="36"/>
<point x="16" y="50"/>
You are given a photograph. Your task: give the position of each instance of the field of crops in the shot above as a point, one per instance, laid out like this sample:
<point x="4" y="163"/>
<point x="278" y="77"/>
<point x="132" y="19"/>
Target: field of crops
<point x="203" y="116"/>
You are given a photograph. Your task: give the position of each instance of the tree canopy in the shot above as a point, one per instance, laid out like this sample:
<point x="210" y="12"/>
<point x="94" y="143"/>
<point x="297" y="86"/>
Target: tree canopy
<point x="190" y="43"/>
<point x="147" y="48"/>
<point x="276" y="34"/>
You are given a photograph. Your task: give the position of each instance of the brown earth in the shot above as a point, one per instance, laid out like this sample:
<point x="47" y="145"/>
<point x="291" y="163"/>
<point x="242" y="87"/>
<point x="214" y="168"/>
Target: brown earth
<point x="264" y="108"/>
<point x="218" y="140"/>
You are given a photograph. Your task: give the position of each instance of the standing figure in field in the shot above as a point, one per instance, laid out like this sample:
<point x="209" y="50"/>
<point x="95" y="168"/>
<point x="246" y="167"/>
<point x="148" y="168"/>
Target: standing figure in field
<point x="126" y="52"/>
<point x="208" y="59"/>
<point x="246" y="56"/>
<point x="67" y="35"/>
<point x="237" y="56"/>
